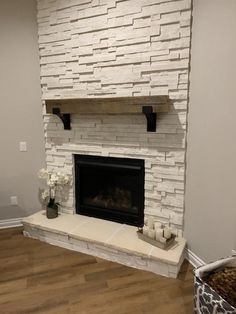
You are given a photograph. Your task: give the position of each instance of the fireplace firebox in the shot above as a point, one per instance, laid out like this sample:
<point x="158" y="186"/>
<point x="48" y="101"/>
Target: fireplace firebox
<point x="110" y="188"/>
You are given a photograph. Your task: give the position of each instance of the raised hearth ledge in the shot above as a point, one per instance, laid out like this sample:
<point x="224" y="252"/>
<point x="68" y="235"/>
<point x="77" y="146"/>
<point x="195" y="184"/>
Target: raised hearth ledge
<point x="105" y="239"/>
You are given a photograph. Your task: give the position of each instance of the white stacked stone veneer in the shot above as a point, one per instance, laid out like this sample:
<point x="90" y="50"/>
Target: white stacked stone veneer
<point x="111" y="48"/>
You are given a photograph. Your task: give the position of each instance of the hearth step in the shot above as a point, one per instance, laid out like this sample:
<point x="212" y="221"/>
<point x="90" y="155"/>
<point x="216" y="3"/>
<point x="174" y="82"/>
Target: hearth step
<point x="105" y="239"/>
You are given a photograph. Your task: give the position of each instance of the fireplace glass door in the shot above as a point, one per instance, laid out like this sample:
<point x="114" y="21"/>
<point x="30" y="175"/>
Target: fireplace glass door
<point x="110" y="188"/>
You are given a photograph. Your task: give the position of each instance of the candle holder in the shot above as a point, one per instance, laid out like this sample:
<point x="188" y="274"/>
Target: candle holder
<point x="163" y="246"/>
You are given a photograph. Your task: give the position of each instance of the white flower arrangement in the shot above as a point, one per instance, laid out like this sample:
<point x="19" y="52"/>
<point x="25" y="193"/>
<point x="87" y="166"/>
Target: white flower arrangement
<point x="55" y="182"/>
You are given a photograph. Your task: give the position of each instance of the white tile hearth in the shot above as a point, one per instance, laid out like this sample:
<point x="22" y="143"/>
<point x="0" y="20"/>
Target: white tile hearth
<point x="105" y="239"/>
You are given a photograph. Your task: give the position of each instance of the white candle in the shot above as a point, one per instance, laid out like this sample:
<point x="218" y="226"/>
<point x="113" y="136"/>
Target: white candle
<point x="151" y="233"/>
<point x="150" y="223"/>
<point x="145" y="230"/>
<point x="162" y="240"/>
<point x="159" y="234"/>
<point x="167" y="233"/>
<point x="157" y="225"/>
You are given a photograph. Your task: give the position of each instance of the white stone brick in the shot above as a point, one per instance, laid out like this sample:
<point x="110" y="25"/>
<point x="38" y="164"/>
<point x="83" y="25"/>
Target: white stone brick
<point x="97" y="58"/>
<point x="172" y="44"/>
<point x="124" y="8"/>
<point x="172" y="6"/>
<point x="185" y="31"/>
<point x="170" y="18"/>
<point x="173" y="200"/>
<point x="170" y="186"/>
<point x="186" y="22"/>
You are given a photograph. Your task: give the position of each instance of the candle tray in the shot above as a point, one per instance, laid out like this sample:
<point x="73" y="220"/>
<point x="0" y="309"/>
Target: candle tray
<point x="157" y="243"/>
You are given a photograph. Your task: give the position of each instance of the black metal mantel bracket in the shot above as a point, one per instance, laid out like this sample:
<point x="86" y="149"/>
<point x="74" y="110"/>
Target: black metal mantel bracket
<point x="65" y="117"/>
<point x="147" y="110"/>
<point x="151" y="118"/>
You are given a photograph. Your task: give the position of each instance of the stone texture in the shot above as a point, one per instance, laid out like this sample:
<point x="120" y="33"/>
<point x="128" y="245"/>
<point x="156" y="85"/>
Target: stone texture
<point x="120" y="48"/>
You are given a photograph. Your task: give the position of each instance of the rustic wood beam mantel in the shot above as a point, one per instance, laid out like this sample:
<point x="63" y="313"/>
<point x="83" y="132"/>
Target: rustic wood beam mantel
<point x="148" y="105"/>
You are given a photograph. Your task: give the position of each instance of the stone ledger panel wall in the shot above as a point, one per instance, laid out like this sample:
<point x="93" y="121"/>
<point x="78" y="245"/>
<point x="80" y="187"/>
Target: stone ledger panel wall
<point x="120" y="48"/>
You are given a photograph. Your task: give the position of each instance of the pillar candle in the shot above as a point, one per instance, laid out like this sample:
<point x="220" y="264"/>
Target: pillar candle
<point x="167" y="233"/>
<point x="162" y="240"/>
<point x="145" y="230"/>
<point x="159" y="233"/>
<point x="151" y="233"/>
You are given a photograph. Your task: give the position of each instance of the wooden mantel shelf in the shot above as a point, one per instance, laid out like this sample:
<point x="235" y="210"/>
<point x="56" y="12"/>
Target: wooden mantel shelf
<point x="148" y="105"/>
<point x="119" y="105"/>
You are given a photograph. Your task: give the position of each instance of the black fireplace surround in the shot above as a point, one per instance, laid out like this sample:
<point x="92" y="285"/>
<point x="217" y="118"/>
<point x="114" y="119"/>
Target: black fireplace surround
<point x="110" y="188"/>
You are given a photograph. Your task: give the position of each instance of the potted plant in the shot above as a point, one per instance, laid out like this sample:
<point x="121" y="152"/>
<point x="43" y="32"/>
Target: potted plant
<point x="55" y="182"/>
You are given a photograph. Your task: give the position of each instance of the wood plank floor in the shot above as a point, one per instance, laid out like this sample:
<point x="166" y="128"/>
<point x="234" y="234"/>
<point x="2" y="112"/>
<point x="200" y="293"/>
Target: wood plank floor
<point x="36" y="277"/>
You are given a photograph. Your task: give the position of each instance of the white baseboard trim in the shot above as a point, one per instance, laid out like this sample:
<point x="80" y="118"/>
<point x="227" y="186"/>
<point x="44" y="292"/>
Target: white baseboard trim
<point x="194" y="259"/>
<point x="11" y="223"/>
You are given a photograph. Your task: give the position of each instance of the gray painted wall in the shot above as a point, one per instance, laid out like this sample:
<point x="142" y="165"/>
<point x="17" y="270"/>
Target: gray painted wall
<point x="210" y="217"/>
<point x="21" y="110"/>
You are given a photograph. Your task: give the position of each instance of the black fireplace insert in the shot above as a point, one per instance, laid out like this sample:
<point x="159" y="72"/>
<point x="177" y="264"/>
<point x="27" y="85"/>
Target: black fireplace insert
<point x="110" y="188"/>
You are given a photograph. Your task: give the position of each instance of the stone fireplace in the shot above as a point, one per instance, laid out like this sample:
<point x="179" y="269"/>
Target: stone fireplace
<point x="108" y="49"/>
<point x="119" y="49"/>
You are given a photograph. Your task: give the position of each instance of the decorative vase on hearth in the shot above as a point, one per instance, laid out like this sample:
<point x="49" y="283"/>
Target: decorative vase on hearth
<point x="52" y="209"/>
<point x="55" y="182"/>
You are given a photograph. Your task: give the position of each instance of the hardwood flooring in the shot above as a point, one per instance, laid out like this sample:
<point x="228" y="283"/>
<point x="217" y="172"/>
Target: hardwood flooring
<point x="36" y="277"/>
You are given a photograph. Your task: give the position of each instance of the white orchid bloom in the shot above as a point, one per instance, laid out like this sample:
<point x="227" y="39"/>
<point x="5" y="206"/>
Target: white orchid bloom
<point x="45" y="194"/>
<point x="55" y="182"/>
<point x="54" y="178"/>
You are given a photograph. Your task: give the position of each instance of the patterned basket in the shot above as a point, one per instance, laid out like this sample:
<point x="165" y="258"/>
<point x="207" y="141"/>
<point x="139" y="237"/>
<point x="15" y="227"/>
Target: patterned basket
<point x="206" y="299"/>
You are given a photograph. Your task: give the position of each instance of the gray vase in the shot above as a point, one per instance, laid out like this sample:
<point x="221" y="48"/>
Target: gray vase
<point x="52" y="212"/>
